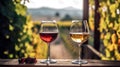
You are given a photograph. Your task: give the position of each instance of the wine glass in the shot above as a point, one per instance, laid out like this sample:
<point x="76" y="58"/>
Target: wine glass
<point x="48" y="33"/>
<point x="79" y="33"/>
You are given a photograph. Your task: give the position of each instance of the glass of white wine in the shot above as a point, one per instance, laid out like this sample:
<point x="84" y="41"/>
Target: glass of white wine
<point x="79" y="33"/>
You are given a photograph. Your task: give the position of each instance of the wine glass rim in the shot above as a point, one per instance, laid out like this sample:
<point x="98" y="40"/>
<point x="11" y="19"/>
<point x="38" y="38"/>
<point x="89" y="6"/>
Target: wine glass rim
<point x="47" y="21"/>
<point x="78" y="20"/>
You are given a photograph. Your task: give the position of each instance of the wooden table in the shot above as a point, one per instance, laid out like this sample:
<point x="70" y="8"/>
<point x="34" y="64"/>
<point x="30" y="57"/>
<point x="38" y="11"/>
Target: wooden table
<point x="60" y="62"/>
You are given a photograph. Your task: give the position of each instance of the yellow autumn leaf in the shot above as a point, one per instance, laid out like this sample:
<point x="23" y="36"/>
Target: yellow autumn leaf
<point x="21" y="45"/>
<point x="107" y="36"/>
<point x="116" y="25"/>
<point x="118" y="33"/>
<point x="107" y="20"/>
<point x="35" y="40"/>
<point x="91" y="24"/>
<point x="32" y="55"/>
<point x="115" y="46"/>
<point x="113" y="14"/>
<point x="11" y="28"/>
<point x="102" y="36"/>
<point x="19" y="39"/>
<point x="7" y="36"/>
<point x="112" y="8"/>
<point x="6" y="52"/>
<point x="25" y="55"/>
<point x="105" y="42"/>
<point x="108" y="2"/>
<point x="29" y="32"/>
<point x="21" y="33"/>
<point x="110" y="47"/>
<point x="29" y="48"/>
<point x="107" y="53"/>
<point x="114" y="38"/>
<point x="117" y="55"/>
<point x="10" y="55"/>
<point x="110" y="25"/>
<point x="17" y="48"/>
<point x="112" y="58"/>
<point x="30" y="25"/>
<point x="118" y="1"/>
<point x="103" y="25"/>
<point x="103" y="14"/>
<point x="105" y="58"/>
<point x="22" y="51"/>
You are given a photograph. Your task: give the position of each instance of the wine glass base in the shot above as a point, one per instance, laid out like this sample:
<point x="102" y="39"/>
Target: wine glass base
<point x="79" y="62"/>
<point x="48" y="61"/>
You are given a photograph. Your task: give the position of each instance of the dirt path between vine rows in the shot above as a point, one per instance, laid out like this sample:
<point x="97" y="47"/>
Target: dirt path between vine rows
<point x="59" y="51"/>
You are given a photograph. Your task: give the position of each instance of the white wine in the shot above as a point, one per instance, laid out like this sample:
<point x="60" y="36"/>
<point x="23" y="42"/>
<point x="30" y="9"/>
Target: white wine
<point x="79" y="37"/>
<point x="79" y="33"/>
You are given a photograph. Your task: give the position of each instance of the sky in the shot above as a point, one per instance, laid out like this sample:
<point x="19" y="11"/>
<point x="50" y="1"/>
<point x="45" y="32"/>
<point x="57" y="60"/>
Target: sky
<point x="58" y="4"/>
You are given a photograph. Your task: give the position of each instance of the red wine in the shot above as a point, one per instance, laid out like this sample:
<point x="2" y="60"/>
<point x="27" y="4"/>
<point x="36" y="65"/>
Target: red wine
<point x="48" y="36"/>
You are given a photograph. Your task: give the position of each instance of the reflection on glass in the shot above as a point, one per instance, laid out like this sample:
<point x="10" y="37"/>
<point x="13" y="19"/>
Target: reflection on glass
<point x="79" y="33"/>
<point x="48" y="33"/>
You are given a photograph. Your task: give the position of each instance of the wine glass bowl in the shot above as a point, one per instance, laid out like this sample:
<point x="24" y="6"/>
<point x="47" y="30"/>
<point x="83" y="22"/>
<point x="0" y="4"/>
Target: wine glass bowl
<point x="79" y="33"/>
<point x="48" y="33"/>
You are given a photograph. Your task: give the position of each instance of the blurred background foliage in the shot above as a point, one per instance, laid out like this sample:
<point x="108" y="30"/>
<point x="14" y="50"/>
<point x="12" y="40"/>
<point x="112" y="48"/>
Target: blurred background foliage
<point x="12" y="19"/>
<point x="17" y="38"/>
<point x="109" y="27"/>
<point x="19" y="34"/>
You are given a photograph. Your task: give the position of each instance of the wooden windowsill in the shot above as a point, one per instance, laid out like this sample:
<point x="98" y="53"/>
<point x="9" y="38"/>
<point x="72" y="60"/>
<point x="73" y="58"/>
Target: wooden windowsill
<point x="60" y="62"/>
<point x="90" y="55"/>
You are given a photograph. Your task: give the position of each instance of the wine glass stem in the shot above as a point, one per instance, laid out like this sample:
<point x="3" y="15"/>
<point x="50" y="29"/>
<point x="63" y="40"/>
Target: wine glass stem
<point x="80" y="50"/>
<point x="48" y="56"/>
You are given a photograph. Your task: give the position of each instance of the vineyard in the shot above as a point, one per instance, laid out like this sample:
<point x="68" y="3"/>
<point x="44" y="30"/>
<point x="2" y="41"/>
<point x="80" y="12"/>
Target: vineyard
<point x="19" y="34"/>
<point x="64" y="35"/>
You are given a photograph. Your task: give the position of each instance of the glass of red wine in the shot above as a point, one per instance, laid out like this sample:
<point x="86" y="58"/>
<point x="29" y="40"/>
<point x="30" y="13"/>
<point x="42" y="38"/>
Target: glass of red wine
<point x="48" y="33"/>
